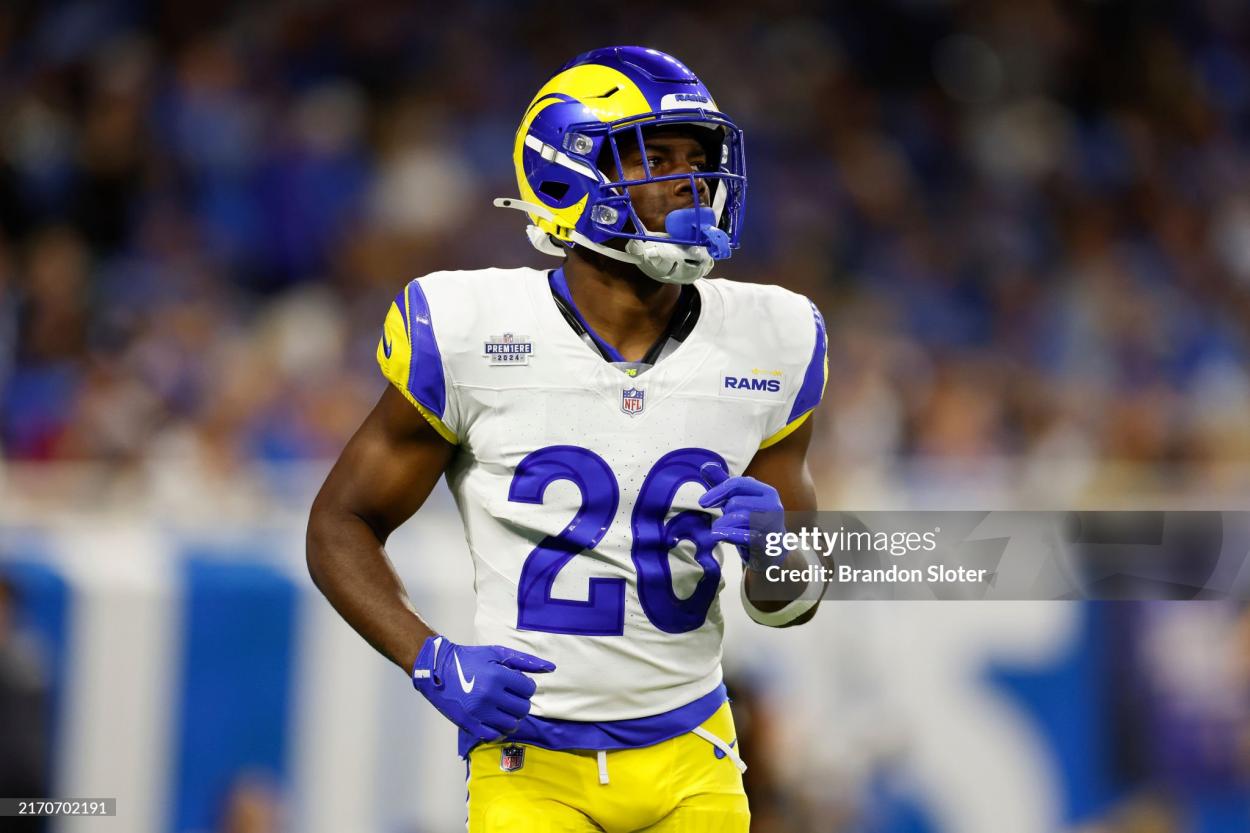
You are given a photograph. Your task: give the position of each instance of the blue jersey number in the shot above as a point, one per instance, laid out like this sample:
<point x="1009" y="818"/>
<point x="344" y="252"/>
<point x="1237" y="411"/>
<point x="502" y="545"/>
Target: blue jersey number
<point x="603" y="612"/>
<point x="654" y="536"/>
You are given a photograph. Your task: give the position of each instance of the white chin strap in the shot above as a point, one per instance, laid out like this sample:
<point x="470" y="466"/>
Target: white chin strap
<point x="665" y="262"/>
<point x="668" y="262"/>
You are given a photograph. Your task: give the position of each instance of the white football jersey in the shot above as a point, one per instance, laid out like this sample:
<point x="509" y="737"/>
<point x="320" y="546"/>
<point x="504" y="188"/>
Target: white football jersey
<point x="578" y="484"/>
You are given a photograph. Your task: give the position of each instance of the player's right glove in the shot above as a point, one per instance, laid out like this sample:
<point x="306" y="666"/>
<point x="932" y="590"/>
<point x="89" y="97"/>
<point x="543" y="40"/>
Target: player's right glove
<point x="480" y="688"/>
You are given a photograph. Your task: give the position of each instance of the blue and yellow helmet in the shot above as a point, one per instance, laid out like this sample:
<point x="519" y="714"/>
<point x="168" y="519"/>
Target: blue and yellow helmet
<point x="572" y="128"/>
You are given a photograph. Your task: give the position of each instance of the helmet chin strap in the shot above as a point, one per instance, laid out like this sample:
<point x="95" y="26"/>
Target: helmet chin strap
<point x="670" y="263"/>
<point x="664" y="262"/>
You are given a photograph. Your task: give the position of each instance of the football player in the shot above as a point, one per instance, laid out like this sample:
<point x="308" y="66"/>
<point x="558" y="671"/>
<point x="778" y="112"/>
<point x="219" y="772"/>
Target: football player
<point x="609" y="429"/>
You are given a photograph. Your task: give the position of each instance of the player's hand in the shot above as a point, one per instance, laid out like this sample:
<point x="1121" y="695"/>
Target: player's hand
<point x="738" y="498"/>
<point x="480" y="688"/>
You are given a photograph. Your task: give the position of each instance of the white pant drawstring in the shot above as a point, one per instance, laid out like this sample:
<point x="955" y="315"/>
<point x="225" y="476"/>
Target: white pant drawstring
<point x="603" y="767"/>
<point x="721" y="745"/>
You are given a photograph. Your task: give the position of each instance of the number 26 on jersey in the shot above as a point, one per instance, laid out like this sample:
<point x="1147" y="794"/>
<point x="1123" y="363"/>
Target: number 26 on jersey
<point x="654" y="535"/>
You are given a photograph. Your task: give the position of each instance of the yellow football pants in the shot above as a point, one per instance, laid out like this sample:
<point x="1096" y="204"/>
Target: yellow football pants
<point x="678" y="786"/>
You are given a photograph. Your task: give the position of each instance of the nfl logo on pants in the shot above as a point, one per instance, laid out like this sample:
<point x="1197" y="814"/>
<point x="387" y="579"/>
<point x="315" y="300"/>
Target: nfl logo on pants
<point x="632" y="400"/>
<point x="512" y="758"/>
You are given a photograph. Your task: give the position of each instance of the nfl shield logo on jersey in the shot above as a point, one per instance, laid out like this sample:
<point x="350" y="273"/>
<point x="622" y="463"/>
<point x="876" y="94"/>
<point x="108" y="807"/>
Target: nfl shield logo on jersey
<point x="512" y="758"/>
<point x="632" y="400"/>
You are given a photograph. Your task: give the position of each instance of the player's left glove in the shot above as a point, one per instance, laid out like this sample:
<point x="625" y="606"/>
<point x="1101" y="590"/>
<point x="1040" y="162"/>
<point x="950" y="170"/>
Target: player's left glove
<point x="739" y="498"/>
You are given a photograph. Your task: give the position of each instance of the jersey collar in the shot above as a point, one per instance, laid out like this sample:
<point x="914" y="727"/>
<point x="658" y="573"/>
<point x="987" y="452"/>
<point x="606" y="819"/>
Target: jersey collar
<point x="681" y="323"/>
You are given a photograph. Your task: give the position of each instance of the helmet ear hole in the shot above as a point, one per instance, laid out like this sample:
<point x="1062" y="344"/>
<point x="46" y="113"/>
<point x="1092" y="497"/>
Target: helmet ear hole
<point x="553" y="189"/>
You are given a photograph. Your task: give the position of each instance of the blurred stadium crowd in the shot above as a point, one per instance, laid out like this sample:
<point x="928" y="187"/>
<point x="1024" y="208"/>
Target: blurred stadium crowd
<point x="1026" y="222"/>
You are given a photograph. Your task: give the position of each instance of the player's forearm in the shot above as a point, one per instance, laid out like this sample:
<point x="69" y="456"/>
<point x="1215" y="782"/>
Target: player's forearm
<point x="349" y="565"/>
<point x="772" y="596"/>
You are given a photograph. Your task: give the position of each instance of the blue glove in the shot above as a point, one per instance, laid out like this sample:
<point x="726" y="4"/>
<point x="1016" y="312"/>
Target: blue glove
<point x="480" y="688"/>
<point x="739" y="497"/>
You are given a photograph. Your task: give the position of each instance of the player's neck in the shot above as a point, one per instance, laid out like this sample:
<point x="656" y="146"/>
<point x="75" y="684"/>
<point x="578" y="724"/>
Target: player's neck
<point x="622" y="305"/>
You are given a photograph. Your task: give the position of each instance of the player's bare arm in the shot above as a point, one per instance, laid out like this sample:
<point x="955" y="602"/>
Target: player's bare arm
<point x="381" y="479"/>
<point x="784" y="467"/>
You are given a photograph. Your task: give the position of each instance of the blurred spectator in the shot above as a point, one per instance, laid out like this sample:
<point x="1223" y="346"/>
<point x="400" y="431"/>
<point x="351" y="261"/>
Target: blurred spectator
<point x="1144" y="813"/>
<point x="24" y="755"/>
<point x="252" y="805"/>
<point x="772" y="810"/>
<point x="1182" y="695"/>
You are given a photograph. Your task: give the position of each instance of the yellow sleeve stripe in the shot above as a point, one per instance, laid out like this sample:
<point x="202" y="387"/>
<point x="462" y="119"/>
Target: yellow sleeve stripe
<point x="787" y="431"/>
<point x="443" y="431"/>
<point x="794" y="424"/>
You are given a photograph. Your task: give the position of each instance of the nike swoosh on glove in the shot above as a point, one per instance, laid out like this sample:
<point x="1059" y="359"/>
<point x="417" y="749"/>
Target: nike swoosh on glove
<point x="739" y="498"/>
<point x="480" y="688"/>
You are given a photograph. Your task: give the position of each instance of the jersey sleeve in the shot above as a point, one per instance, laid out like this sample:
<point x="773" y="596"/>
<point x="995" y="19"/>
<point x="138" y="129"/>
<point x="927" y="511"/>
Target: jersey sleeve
<point x="409" y="355"/>
<point x="805" y="395"/>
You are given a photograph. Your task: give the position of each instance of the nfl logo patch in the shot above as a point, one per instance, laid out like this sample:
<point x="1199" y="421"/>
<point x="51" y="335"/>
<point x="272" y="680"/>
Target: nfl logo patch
<point x="632" y="400"/>
<point x="508" y="349"/>
<point x="512" y="758"/>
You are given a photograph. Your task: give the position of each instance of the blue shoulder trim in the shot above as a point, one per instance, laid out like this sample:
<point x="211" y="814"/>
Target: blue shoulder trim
<point x="813" y="386"/>
<point x="615" y="734"/>
<point x="425" y="373"/>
